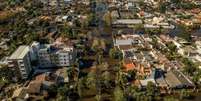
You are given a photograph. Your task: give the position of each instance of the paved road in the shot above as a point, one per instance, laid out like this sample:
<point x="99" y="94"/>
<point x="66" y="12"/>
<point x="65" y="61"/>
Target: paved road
<point x="101" y="9"/>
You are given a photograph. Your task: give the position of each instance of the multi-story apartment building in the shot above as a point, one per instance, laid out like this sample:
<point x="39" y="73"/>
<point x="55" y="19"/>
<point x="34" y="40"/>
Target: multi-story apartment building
<point x="47" y="55"/>
<point x="20" y="62"/>
<point x="54" y="55"/>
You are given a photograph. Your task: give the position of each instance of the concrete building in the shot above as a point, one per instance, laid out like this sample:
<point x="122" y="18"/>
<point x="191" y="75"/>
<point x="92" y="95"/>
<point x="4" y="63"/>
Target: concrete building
<point x="47" y="55"/>
<point x="54" y="55"/>
<point x="20" y="61"/>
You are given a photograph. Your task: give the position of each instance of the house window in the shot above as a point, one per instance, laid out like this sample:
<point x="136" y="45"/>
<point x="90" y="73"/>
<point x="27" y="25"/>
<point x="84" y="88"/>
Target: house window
<point x="23" y="71"/>
<point x="22" y="67"/>
<point x="25" y="75"/>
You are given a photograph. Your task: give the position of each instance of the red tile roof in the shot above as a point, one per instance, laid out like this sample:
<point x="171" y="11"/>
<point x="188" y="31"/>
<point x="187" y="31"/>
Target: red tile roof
<point x="128" y="65"/>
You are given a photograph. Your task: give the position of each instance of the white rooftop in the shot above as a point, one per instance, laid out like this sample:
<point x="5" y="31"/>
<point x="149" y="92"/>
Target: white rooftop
<point x="123" y="42"/>
<point x="128" y="21"/>
<point x="20" y="52"/>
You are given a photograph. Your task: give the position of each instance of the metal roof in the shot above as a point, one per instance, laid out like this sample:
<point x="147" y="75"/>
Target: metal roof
<point x="123" y="42"/>
<point x="128" y="21"/>
<point x="176" y="78"/>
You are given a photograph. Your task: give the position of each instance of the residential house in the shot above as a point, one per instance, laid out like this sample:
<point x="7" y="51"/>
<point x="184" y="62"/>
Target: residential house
<point x="144" y="69"/>
<point x="20" y="94"/>
<point x="150" y="78"/>
<point x="41" y="83"/>
<point x="128" y="65"/>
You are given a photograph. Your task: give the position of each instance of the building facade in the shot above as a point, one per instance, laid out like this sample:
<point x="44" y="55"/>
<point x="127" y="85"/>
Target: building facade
<point x="46" y="55"/>
<point x="54" y="55"/>
<point x="20" y="61"/>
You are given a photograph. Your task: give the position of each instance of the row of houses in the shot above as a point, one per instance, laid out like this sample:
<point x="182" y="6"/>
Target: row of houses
<point x="132" y="22"/>
<point x="134" y="57"/>
<point x="41" y="84"/>
<point x="150" y="64"/>
<point x="173" y="79"/>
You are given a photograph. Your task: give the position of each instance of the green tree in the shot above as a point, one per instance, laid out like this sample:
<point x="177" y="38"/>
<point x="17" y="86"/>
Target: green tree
<point x="170" y="99"/>
<point x="62" y="93"/>
<point x="162" y="7"/>
<point x="150" y="89"/>
<point x="118" y="94"/>
<point x="176" y="1"/>
<point x="80" y="87"/>
<point x="154" y="42"/>
<point x="133" y="91"/>
<point x="172" y="52"/>
<point x="107" y="18"/>
<point x="98" y="97"/>
<point x="112" y="52"/>
<point x="90" y="80"/>
<point x="197" y="76"/>
<point x="172" y="47"/>
<point x="52" y="90"/>
<point x="189" y="66"/>
<point x="139" y="27"/>
<point x="132" y="74"/>
<point x="13" y="2"/>
<point x="7" y="73"/>
<point x="184" y="94"/>
<point x="115" y="54"/>
<point x="185" y="33"/>
<point x="106" y="77"/>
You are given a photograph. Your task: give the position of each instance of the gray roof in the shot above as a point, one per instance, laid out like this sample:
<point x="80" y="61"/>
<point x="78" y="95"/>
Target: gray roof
<point x="172" y="80"/>
<point x="128" y="21"/>
<point x="20" y="52"/>
<point x="161" y="82"/>
<point x="145" y="82"/>
<point x="123" y="42"/>
<point x="176" y="79"/>
<point x="159" y="77"/>
<point x="197" y="33"/>
<point x="158" y="26"/>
